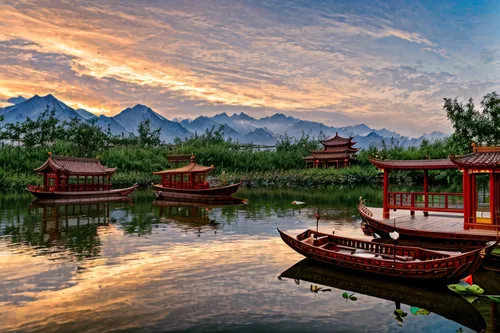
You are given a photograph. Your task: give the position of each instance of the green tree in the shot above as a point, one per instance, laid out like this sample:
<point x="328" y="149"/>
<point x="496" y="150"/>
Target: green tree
<point x="86" y="137"/>
<point x="481" y="126"/>
<point x="40" y="132"/>
<point x="147" y="136"/>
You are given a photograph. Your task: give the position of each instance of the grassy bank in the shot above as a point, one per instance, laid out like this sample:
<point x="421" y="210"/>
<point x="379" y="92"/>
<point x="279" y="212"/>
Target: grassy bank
<point x="282" y="167"/>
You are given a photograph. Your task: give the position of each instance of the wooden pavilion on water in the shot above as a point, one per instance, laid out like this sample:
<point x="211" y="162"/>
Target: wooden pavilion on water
<point x="470" y="217"/>
<point x="73" y="177"/>
<point x="338" y="152"/>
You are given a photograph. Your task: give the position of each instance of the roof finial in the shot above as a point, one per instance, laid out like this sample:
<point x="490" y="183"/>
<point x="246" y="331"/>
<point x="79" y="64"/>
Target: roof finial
<point x="336" y="133"/>
<point x="192" y="159"/>
<point x="473" y="145"/>
<point x="49" y="153"/>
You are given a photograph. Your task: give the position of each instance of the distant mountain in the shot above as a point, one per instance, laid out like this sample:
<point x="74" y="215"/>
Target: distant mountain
<point x="277" y="123"/>
<point x="16" y="100"/>
<point x="130" y="118"/>
<point x="85" y="114"/>
<point x="200" y="124"/>
<point x="240" y="127"/>
<point x="385" y="133"/>
<point x="260" y="136"/>
<point x="109" y="122"/>
<point x="242" y="117"/>
<point x="360" y="129"/>
<point x="311" y="128"/>
<point x="32" y="108"/>
<point x="434" y="136"/>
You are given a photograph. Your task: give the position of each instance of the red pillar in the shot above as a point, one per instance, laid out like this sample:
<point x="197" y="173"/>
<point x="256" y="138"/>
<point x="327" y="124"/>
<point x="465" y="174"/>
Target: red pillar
<point x="426" y="189"/>
<point x="492" y="198"/>
<point x="466" y="197"/>
<point x="385" y="209"/>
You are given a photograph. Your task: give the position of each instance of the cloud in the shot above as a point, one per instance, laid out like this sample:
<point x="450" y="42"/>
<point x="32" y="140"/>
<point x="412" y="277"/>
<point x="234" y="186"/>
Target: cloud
<point x="201" y="56"/>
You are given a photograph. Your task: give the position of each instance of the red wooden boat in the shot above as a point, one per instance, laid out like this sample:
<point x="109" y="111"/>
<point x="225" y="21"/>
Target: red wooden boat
<point x="75" y="178"/>
<point x="188" y="184"/>
<point x="383" y="259"/>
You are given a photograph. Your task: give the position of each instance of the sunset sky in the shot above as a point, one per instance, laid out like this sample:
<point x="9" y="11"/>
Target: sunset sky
<point x="387" y="64"/>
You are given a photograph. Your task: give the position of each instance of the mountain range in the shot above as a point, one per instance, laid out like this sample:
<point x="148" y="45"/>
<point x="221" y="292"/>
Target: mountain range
<point x="239" y="127"/>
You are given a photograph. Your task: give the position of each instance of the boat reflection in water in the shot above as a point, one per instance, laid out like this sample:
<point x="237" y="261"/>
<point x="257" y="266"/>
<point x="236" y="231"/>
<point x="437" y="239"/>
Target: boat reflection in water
<point x="59" y="229"/>
<point x="190" y="216"/>
<point x="423" y="299"/>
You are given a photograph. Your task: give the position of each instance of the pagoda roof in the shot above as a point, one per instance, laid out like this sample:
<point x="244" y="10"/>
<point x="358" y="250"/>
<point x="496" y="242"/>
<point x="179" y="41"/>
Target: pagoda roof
<point x="482" y="157"/>
<point x="438" y="164"/>
<point x="190" y="168"/>
<point x="337" y="140"/>
<point x="76" y="166"/>
<point x="336" y="149"/>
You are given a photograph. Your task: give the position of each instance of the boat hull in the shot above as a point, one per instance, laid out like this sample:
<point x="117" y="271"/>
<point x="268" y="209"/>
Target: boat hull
<point x="453" y="267"/>
<point x="215" y="195"/>
<point x="56" y="195"/>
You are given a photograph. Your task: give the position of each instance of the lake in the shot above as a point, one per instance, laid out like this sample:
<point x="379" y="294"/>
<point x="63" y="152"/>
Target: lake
<point x="145" y="266"/>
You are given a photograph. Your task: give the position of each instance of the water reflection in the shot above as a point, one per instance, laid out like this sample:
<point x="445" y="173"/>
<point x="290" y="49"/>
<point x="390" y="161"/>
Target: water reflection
<point x="423" y="299"/>
<point x="58" y="230"/>
<point x="168" y="267"/>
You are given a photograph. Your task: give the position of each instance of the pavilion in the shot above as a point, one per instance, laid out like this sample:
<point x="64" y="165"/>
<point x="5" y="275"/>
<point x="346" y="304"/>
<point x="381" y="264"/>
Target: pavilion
<point x="337" y="152"/>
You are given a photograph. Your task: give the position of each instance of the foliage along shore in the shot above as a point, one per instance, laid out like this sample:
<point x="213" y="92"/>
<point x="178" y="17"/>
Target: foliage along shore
<point x="137" y="156"/>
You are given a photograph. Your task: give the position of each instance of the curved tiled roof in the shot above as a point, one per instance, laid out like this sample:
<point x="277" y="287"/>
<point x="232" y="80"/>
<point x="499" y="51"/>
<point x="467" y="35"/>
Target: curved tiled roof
<point x="338" y="141"/>
<point x="190" y="168"/>
<point x="438" y="164"/>
<point x="490" y="159"/>
<point x="76" y="166"/>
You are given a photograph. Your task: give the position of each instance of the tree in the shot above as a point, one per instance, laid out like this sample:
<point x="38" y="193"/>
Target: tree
<point x="147" y="136"/>
<point x="86" y="137"/>
<point x="40" y="132"/>
<point x="471" y="125"/>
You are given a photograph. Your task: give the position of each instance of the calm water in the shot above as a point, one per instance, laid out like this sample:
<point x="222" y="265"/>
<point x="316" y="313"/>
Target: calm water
<point x="143" y="267"/>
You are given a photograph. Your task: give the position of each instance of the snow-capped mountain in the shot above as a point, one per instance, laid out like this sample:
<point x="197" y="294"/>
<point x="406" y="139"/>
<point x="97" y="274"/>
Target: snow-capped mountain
<point x="239" y="127"/>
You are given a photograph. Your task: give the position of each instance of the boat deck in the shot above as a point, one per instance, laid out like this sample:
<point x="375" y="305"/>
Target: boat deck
<point x="434" y="222"/>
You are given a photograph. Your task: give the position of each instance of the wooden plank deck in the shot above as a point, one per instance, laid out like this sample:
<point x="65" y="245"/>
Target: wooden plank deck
<point x="434" y="222"/>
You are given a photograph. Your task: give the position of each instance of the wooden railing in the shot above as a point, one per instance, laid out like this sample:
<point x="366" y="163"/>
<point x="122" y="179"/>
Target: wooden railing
<point x="432" y="201"/>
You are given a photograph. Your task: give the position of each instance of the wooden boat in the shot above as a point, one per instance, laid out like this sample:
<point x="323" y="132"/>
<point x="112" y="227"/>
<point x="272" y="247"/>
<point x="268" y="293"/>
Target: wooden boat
<point x="188" y="184"/>
<point x="382" y="259"/>
<point x="79" y="201"/>
<point x="75" y="178"/>
<point x="42" y="193"/>
<point x="434" y="297"/>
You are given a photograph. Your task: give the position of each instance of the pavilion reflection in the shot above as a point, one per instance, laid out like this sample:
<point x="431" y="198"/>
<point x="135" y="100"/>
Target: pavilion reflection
<point x="186" y="215"/>
<point x="422" y="298"/>
<point x="59" y="230"/>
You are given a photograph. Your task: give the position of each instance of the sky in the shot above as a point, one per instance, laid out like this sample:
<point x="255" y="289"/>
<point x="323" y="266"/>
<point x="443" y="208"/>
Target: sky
<point x="382" y="63"/>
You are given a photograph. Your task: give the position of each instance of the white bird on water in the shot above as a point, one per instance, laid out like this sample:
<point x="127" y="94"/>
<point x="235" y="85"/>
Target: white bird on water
<point x="298" y="202"/>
